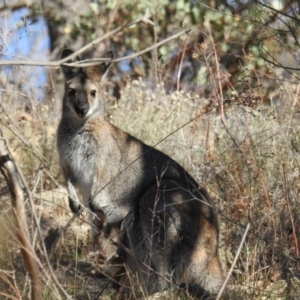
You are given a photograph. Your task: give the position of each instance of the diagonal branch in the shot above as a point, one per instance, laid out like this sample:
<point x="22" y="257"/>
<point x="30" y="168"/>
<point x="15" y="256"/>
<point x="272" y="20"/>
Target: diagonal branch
<point x="92" y="62"/>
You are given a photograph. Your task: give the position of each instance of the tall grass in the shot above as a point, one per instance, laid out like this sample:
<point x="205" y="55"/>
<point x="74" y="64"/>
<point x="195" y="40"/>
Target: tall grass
<point x="248" y="161"/>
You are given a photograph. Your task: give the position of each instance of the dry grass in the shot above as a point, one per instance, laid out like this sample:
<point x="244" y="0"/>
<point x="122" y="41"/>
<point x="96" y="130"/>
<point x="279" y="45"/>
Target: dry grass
<point x="249" y="164"/>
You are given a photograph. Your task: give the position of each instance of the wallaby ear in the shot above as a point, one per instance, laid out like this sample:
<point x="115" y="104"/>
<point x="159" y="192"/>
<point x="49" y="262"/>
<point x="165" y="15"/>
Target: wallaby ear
<point x="99" y="71"/>
<point x="69" y="72"/>
<point x="106" y="65"/>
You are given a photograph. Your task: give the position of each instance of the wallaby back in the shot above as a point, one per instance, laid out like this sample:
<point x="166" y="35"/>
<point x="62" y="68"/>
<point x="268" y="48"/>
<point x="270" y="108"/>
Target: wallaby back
<point x="168" y="229"/>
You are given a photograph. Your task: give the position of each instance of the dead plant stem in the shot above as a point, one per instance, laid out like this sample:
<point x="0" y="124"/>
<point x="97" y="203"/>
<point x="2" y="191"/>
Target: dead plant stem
<point x="234" y="262"/>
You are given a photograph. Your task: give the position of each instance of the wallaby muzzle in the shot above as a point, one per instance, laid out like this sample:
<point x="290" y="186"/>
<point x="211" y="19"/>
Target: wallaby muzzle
<point x="81" y="110"/>
<point x="81" y="106"/>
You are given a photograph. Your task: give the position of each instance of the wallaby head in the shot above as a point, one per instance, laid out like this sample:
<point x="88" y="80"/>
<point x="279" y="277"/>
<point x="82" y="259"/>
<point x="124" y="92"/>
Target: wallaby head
<point x="82" y="86"/>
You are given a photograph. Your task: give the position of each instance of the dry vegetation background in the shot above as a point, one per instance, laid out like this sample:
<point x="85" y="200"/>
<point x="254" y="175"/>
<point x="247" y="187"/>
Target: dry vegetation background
<point x="212" y="99"/>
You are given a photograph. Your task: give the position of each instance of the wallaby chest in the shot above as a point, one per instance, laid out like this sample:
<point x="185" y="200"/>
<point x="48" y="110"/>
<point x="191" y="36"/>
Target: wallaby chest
<point x="77" y="154"/>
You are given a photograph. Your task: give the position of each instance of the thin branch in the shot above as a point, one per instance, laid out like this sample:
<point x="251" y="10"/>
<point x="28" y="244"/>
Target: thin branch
<point x="14" y="130"/>
<point x="234" y="262"/>
<point x="111" y="33"/>
<point x="39" y="231"/>
<point x="10" y="173"/>
<point x="58" y="63"/>
<point x="14" y="5"/>
<point x="274" y="62"/>
<point x="175" y="36"/>
<point x="22" y="182"/>
<point x="278" y="11"/>
<point x="92" y="62"/>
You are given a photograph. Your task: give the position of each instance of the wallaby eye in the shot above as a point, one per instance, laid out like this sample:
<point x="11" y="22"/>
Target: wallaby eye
<point x="93" y="93"/>
<point x="71" y="92"/>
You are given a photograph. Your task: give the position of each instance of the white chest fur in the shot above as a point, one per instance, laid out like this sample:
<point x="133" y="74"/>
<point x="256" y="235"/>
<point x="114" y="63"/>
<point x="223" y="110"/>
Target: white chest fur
<point x="77" y="155"/>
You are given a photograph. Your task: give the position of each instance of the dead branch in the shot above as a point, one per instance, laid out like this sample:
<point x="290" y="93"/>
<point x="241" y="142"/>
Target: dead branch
<point x="234" y="262"/>
<point x="4" y="156"/>
<point x="92" y="62"/>
<point x="10" y="173"/>
<point x="14" y="5"/>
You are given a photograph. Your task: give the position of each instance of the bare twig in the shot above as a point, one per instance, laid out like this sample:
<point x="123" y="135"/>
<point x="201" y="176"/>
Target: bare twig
<point x="107" y="35"/>
<point x="218" y="85"/>
<point x="10" y="173"/>
<point x="25" y="187"/>
<point x="288" y="202"/>
<point x="13" y="128"/>
<point x="92" y="62"/>
<point x="181" y="62"/>
<point x="234" y="262"/>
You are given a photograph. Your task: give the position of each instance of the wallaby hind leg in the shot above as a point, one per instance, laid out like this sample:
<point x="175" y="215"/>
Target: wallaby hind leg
<point x="171" y="229"/>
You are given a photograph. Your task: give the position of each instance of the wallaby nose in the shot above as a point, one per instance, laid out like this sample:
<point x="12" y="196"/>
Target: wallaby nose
<point x="81" y="104"/>
<point x="81" y="110"/>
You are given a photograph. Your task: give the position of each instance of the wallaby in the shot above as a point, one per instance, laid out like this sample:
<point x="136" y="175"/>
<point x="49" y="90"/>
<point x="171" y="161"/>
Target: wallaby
<point x="168" y="228"/>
